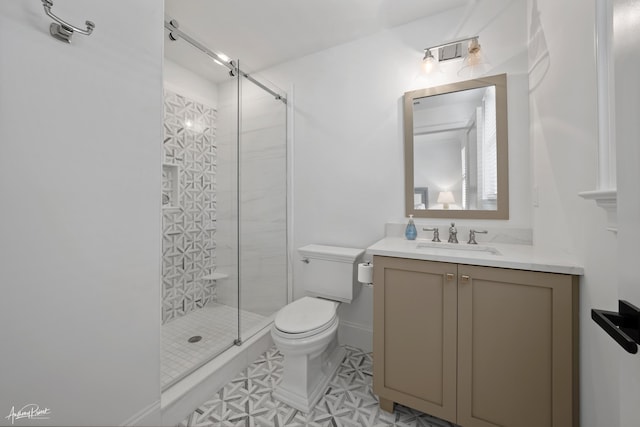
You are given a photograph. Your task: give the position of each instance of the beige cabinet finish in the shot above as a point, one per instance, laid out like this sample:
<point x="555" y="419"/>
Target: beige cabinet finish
<point x="478" y="346"/>
<point x="415" y="334"/>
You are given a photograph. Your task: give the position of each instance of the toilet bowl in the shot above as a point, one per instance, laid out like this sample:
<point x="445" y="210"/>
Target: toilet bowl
<point x="311" y="354"/>
<point x="306" y="330"/>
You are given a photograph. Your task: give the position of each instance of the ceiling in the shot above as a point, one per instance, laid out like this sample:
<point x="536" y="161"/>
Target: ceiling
<point x="263" y="33"/>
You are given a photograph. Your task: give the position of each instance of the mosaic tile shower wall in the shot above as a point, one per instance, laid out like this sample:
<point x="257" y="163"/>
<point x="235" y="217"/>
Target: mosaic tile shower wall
<point x="189" y="205"/>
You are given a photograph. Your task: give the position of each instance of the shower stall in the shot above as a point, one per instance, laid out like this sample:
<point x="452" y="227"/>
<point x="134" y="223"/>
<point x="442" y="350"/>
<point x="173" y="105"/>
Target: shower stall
<point x="224" y="208"/>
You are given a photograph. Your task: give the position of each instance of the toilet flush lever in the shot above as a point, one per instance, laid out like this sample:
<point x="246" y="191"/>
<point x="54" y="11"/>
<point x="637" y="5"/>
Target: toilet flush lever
<point x="305" y="260"/>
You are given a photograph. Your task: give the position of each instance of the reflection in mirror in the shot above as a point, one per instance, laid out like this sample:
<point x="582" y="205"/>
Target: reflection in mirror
<point x="456" y="148"/>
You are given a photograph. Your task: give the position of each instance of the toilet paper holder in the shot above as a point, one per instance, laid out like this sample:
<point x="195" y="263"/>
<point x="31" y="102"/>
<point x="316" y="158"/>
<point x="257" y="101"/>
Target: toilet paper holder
<point x="365" y="273"/>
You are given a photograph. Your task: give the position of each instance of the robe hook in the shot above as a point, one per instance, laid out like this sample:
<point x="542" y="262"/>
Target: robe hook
<point x="61" y="29"/>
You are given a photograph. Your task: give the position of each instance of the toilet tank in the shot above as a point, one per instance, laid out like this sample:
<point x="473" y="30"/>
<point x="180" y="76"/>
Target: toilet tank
<point x="330" y="271"/>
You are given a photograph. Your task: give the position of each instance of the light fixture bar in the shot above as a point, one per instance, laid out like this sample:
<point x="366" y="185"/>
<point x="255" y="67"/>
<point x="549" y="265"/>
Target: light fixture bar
<point x="473" y="61"/>
<point x="451" y="42"/>
<point x="450" y="51"/>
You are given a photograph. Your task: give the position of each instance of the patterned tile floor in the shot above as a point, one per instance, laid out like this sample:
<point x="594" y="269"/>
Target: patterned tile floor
<point x="217" y="324"/>
<point x="349" y="400"/>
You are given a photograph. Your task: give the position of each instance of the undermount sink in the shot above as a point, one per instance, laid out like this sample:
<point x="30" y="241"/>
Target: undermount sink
<point x="459" y="248"/>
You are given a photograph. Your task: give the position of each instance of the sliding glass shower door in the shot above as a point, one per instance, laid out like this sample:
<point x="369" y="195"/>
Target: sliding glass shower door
<point x="263" y="205"/>
<point x="224" y="209"/>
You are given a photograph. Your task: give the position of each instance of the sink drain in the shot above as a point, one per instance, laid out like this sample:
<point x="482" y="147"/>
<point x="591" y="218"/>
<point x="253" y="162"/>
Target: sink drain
<point x="195" y="338"/>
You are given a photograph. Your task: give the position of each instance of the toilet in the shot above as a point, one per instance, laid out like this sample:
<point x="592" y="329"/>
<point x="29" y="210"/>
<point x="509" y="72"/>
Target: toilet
<point x="306" y="330"/>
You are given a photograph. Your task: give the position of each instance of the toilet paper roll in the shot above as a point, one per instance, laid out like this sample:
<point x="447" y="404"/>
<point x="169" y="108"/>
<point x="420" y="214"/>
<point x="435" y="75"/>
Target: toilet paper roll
<point x="365" y="272"/>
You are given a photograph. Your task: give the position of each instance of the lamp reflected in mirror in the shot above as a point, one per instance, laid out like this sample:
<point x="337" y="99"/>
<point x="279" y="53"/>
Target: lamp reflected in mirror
<point x="446" y="198"/>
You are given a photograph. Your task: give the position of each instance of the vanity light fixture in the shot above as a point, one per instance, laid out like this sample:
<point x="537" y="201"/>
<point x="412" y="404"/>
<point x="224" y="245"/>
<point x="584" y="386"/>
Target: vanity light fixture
<point x="429" y="63"/>
<point x="446" y="198"/>
<point x="473" y="64"/>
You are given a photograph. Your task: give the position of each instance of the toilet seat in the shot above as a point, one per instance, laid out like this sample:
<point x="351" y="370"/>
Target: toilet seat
<point x="305" y="317"/>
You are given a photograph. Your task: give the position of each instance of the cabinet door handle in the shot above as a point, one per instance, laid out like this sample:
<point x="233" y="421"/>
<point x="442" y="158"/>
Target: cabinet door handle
<point x="464" y="278"/>
<point x="450" y="276"/>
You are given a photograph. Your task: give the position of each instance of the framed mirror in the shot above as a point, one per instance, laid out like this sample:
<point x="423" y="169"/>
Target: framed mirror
<point x="456" y="150"/>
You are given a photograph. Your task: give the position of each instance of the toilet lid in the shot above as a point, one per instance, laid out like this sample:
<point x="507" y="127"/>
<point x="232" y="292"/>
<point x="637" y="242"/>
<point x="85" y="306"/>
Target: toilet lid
<point x="305" y="314"/>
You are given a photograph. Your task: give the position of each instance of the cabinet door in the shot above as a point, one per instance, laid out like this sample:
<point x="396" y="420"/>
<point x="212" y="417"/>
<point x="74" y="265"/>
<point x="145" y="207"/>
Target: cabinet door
<point x="414" y="349"/>
<point x="517" y="352"/>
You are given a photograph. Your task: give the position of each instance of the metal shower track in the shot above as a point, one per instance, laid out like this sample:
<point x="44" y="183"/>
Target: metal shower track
<point x="175" y="33"/>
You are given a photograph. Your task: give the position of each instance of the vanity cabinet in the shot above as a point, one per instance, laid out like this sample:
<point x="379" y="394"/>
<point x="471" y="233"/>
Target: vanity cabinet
<point x="477" y="346"/>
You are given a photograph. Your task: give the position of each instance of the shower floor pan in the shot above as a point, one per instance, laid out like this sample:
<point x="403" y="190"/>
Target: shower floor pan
<point x="216" y="324"/>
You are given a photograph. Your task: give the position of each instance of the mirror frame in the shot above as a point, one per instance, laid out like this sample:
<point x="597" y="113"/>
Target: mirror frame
<point x="502" y="211"/>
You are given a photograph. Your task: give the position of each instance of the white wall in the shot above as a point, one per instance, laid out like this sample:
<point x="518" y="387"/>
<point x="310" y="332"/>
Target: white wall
<point x="81" y="132"/>
<point x="627" y="127"/>
<point x="189" y="84"/>
<point x="564" y="158"/>
<point x="348" y="142"/>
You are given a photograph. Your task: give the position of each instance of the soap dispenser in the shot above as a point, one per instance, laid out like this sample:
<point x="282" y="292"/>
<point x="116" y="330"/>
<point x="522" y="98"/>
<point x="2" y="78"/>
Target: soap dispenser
<point x="410" y="232"/>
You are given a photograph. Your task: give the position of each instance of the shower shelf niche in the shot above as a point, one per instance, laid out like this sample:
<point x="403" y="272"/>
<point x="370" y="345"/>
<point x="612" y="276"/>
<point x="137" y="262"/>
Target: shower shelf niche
<point x="170" y="186"/>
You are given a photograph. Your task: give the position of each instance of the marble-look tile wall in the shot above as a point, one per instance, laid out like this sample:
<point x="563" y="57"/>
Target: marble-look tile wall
<point x="189" y="205"/>
<point x="227" y="194"/>
<point x="262" y="206"/>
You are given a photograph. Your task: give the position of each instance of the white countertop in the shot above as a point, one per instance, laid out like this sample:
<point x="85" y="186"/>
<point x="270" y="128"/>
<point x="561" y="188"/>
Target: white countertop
<point x="520" y="257"/>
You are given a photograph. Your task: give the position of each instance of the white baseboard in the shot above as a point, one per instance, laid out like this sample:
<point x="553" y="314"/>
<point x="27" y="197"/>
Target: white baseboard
<point x="149" y="416"/>
<point x="355" y="335"/>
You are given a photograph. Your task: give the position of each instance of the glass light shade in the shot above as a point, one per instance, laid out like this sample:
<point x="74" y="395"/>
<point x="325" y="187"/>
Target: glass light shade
<point x="429" y="63"/>
<point x="474" y="64"/>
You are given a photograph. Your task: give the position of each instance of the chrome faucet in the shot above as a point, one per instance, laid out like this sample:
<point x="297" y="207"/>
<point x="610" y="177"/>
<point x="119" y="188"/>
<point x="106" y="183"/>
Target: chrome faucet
<point x="453" y="233"/>
<point x="436" y="233"/>
<point x="472" y="236"/>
